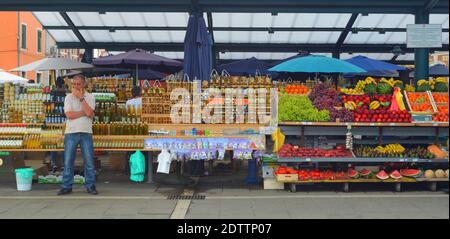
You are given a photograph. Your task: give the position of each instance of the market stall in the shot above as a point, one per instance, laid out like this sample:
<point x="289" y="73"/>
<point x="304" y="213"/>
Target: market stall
<point x="372" y="133"/>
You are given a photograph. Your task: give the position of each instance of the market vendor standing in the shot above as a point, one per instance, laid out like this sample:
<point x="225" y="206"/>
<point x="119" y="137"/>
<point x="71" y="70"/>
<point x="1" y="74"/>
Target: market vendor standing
<point x="136" y="92"/>
<point x="79" y="109"/>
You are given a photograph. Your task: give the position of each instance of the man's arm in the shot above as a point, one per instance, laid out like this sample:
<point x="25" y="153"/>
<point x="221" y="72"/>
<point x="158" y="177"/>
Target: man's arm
<point x="86" y="109"/>
<point x="74" y="114"/>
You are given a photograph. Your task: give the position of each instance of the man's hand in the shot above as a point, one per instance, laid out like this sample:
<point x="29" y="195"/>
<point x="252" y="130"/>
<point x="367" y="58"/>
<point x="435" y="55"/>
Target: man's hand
<point x="78" y="93"/>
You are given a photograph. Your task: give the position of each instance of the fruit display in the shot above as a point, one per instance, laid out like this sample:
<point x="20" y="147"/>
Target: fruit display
<point x="412" y="173"/>
<point x="361" y="88"/>
<point x="352" y="173"/>
<point x="419" y="102"/>
<point x="365" y="173"/>
<point x="391" y="148"/>
<point x="439" y="84"/>
<point x="437" y="151"/>
<point x="441" y="102"/>
<point x="382" y="175"/>
<point x="326" y="98"/>
<point x="379" y="115"/>
<point x="424" y="86"/>
<point x="296" y="89"/>
<point x="395" y="175"/>
<point x="300" y="108"/>
<point x="311" y="175"/>
<point x="410" y="88"/>
<point x="392" y="152"/>
<point x="375" y="108"/>
<point x="429" y="174"/>
<point x="288" y="150"/>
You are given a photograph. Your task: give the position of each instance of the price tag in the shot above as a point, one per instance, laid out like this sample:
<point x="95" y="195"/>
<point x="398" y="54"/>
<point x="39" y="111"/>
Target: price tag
<point x="309" y="123"/>
<point x="435" y="124"/>
<point x="392" y="124"/>
<point x="308" y="160"/>
<point x="401" y="160"/>
<point x="372" y="124"/>
<point x="415" y="160"/>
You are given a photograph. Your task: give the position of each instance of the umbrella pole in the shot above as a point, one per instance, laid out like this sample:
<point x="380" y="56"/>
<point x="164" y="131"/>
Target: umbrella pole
<point x="137" y="75"/>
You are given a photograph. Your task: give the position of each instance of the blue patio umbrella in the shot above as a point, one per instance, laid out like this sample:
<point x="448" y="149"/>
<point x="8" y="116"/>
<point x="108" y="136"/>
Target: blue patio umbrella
<point x="197" y="49"/>
<point x="436" y="71"/>
<point x="246" y="67"/>
<point x="369" y="64"/>
<point x="316" y="64"/>
<point x="439" y="70"/>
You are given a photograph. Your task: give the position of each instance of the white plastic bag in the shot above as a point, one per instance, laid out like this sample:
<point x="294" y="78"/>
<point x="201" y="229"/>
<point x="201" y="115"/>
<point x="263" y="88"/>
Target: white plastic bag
<point x="164" y="159"/>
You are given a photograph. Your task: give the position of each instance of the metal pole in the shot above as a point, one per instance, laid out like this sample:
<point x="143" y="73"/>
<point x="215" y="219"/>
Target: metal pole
<point x="150" y="176"/>
<point x="421" y="55"/>
<point x="137" y="75"/>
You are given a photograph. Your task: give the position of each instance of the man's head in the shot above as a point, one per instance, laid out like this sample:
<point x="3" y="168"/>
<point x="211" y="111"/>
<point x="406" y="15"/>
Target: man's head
<point x="136" y="91"/>
<point x="78" y="82"/>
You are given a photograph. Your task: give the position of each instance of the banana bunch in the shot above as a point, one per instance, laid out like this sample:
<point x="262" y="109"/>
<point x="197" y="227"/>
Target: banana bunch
<point x="391" y="148"/>
<point x="390" y="82"/>
<point x="410" y="88"/>
<point x="370" y="80"/>
<point x="421" y="82"/>
<point x="350" y="105"/>
<point x="352" y="91"/>
<point x="374" y="105"/>
<point x="440" y="80"/>
<point x="431" y="82"/>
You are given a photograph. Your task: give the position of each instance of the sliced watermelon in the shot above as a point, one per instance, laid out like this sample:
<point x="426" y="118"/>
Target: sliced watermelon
<point x="382" y="175"/>
<point x="414" y="173"/>
<point x="395" y="175"/>
<point x="365" y="173"/>
<point x="352" y="173"/>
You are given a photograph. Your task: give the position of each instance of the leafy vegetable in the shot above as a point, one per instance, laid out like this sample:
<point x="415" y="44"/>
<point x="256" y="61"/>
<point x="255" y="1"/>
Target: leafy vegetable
<point x="299" y="108"/>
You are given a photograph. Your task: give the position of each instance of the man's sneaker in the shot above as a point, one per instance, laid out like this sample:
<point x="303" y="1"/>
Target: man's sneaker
<point x="64" y="191"/>
<point x="92" y="191"/>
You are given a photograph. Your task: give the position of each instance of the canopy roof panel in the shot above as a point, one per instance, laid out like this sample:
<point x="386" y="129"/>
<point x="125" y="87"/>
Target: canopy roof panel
<point x="239" y="27"/>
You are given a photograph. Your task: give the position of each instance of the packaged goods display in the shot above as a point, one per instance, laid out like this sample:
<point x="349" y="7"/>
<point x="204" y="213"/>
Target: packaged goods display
<point x="22" y="104"/>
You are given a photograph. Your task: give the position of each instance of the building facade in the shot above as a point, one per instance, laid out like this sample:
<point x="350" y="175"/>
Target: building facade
<point x="22" y="41"/>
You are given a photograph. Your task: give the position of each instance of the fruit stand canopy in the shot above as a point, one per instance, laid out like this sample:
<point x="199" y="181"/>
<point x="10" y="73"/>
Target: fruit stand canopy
<point x="242" y="29"/>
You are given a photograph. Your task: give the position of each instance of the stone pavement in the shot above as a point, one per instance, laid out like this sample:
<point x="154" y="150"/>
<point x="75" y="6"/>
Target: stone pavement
<point x="127" y="200"/>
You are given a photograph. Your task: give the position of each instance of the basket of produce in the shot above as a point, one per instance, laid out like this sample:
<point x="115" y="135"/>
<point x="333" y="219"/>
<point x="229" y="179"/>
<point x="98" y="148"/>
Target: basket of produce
<point x="440" y="101"/>
<point x="420" y="105"/>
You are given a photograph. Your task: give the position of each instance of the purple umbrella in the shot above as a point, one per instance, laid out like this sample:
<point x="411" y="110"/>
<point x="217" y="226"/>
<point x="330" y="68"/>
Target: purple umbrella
<point x="139" y="58"/>
<point x="197" y="49"/>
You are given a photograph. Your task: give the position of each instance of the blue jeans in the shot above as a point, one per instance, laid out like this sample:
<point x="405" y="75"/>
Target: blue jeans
<point x="71" y="141"/>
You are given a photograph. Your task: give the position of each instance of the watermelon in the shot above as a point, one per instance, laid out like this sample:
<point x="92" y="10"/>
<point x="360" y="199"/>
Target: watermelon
<point x="382" y="175"/>
<point x="413" y="173"/>
<point x="384" y="89"/>
<point x="441" y="87"/>
<point x="352" y="173"/>
<point x="423" y="88"/>
<point x="395" y="175"/>
<point x="370" y="89"/>
<point x="365" y="173"/>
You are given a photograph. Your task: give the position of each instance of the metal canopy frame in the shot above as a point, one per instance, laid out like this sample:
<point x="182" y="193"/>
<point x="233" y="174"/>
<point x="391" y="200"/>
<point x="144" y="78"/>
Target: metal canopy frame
<point x="353" y="7"/>
<point x="246" y="6"/>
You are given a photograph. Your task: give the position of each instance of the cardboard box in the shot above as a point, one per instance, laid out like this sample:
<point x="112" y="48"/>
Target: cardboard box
<point x="271" y="184"/>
